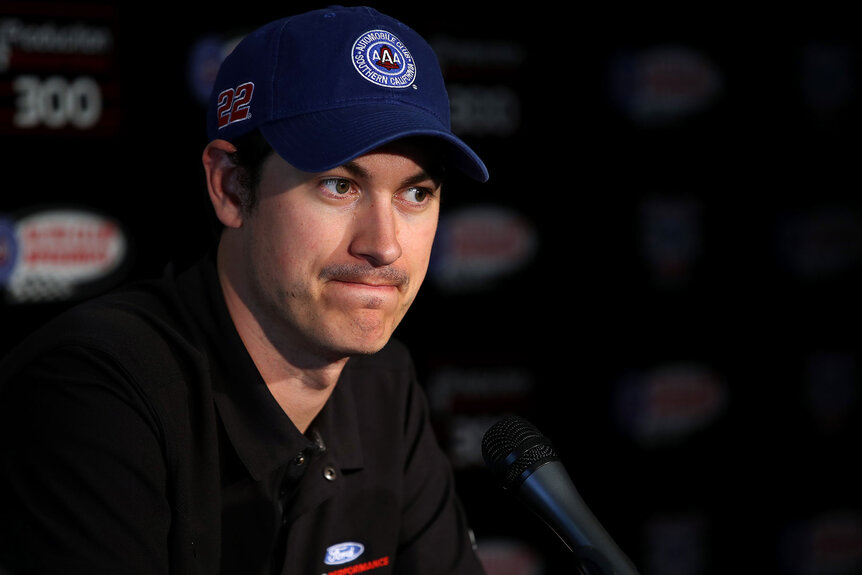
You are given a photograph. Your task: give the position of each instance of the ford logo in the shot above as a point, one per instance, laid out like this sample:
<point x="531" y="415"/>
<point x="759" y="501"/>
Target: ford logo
<point x="343" y="553"/>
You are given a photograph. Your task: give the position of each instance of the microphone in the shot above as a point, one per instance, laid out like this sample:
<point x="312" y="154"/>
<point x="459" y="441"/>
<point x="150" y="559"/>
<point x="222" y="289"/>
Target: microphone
<point x="523" y="461"/>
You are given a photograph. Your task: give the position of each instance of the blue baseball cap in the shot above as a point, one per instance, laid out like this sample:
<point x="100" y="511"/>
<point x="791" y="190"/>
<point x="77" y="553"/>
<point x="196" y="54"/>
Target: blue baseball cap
<point x="327" y="86"/>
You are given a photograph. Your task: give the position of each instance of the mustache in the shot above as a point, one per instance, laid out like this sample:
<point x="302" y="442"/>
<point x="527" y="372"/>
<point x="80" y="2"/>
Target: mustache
<point x="363" y="273"/>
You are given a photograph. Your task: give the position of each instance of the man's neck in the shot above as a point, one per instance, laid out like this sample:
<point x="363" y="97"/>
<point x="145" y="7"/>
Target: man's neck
<point x="301" y="388"/>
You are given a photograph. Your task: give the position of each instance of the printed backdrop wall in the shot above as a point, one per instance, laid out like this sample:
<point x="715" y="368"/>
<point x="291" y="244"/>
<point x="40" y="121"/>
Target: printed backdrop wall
<point x="662" y="273"/>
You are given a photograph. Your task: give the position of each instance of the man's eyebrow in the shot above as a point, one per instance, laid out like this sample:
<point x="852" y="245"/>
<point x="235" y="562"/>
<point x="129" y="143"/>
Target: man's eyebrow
<point x="421" y="176"/>
<point x="355" y="169"/>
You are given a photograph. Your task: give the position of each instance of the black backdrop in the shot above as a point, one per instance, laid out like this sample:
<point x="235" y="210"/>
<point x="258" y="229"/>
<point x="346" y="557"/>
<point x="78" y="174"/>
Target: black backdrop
<point x="661" y="274"/>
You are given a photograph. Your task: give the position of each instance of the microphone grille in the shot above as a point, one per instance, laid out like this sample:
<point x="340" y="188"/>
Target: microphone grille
<point x="512" y="447"/>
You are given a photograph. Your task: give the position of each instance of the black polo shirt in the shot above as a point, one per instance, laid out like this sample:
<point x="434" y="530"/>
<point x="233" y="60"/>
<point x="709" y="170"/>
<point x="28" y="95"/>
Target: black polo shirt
<point x="138" y="437"/>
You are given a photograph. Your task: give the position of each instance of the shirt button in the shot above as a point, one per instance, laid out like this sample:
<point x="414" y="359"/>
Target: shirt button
<point x="329" y="473"/>
<point x="299" y="459"/>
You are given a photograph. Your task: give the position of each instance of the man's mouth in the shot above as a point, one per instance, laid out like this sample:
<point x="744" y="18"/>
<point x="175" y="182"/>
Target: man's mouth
<point x="365" y="275"/>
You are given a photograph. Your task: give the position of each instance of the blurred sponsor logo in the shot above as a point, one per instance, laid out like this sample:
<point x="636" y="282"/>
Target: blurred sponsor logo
<point x="480" y="244"/>
<point x="8" y="249"/>
<point x="60" y="254"/>
<point x="58" y="69"/>
<point x="481" y="74"/>
<point x="466" y="402"/>
<point x="664" y="84"/>
<point x="484" y="110"/>
<point x="204" y="59"/>
<point x="830" y="543"/>
<point x="454" y="389"/>
<point x="509" y="557"/>
<point x="669" y="403"/>
<point x="471" y="56"/>
<point x="461" y="436"/>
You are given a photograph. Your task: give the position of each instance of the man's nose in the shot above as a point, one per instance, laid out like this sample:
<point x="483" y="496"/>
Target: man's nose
<point x="375" y="234"/>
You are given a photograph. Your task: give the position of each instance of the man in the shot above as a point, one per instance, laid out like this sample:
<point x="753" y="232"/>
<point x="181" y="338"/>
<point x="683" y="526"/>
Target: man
<point x="250" y="414"/>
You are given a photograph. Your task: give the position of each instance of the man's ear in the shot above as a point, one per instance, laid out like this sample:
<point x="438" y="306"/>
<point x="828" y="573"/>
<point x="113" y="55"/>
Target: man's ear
<point x="223" y="182"/>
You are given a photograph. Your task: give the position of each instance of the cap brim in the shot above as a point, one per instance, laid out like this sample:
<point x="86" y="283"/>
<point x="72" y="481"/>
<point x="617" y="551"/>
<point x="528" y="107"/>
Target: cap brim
<point x="324" y="140"/>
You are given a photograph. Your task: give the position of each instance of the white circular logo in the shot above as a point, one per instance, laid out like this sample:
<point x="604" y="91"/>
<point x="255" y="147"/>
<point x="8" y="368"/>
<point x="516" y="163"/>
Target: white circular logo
<point x="380" y="57"/>
<point x="343" y="552"/>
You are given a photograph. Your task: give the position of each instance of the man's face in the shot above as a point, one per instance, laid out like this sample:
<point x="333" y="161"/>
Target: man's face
<point x="333" y="260"/>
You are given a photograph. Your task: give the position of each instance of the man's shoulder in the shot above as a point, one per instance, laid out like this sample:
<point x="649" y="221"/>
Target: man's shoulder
<point x="138" y="312"/>
<point x="140" y="327"/>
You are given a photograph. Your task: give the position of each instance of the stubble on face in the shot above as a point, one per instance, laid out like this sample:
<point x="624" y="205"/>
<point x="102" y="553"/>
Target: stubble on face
<point x="370" y="316"/>
<point x="341" y="308"/>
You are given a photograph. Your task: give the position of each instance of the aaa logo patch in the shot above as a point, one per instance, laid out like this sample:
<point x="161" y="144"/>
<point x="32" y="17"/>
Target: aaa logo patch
<point x="381" y="58"/>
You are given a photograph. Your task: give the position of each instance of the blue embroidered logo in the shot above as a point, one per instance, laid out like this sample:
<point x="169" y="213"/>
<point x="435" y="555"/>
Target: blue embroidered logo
<point x="380" y="57"/>
<point x="343" y="552"/>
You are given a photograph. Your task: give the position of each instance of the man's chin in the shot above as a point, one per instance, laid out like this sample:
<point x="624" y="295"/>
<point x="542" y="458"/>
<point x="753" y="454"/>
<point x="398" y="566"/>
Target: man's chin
<point x="368" y="347"/>
<point x="359" y="333"/>
<point x="354" y="346"/>
<point x="370" y="332"/>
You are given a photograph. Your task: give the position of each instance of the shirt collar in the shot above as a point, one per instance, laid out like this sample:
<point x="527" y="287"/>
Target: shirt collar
<point x="338" y="423"/>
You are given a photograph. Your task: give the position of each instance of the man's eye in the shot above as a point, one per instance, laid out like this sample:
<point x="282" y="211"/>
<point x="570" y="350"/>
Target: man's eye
<point x="417" y="195"/>
<point x="337" y="186"/>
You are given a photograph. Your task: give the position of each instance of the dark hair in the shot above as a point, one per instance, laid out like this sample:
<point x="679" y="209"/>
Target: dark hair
<point x="252" y="150"/>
